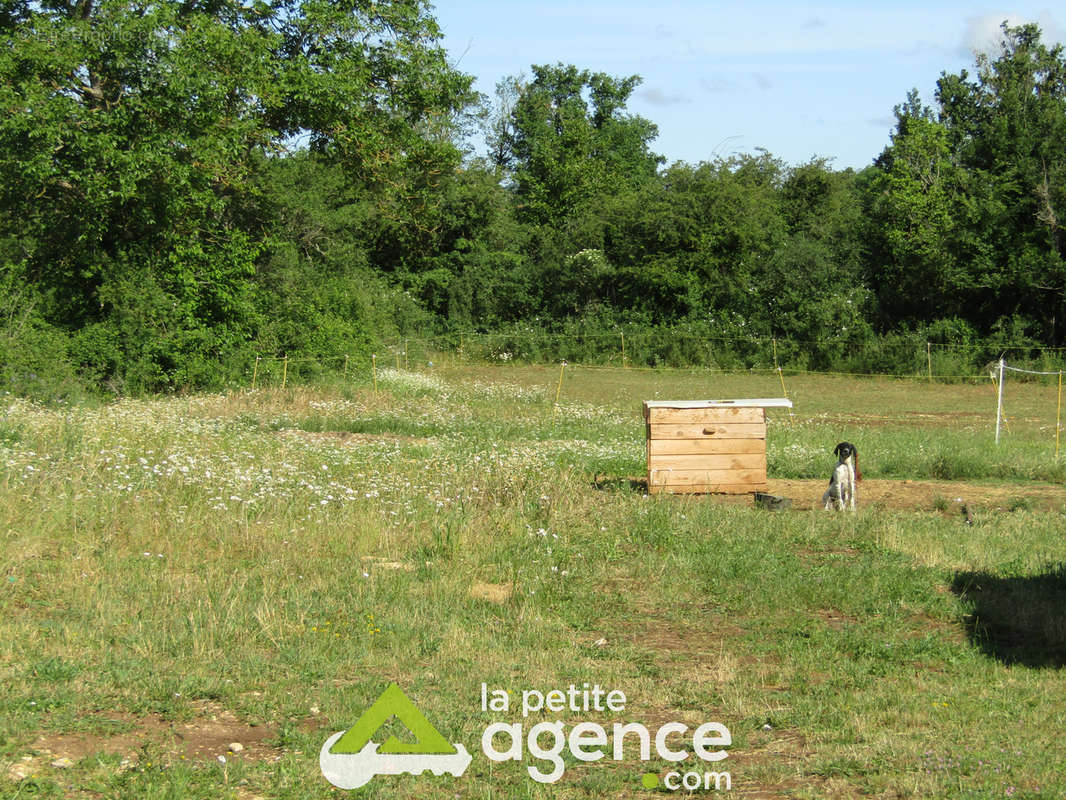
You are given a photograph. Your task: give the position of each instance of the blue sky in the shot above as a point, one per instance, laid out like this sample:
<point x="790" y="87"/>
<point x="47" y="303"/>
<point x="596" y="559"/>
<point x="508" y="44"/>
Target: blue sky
<point x="800" y="80"/>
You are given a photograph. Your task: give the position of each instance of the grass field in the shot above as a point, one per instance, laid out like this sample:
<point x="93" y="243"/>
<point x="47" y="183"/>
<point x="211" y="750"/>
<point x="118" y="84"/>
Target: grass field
<point x="185" y="574"/>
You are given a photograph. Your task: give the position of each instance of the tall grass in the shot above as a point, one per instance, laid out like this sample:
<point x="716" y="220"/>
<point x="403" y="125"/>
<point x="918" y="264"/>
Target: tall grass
<point x="283" y="555"/>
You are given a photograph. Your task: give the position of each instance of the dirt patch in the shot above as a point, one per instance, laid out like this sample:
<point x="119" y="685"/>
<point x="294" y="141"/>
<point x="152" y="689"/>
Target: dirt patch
<point x="836" y="620"/>
<point x="889" y="495"/>
<point x="212" y="732"/>
<point x="381" y="563"/>
<point x="498" y="593"/>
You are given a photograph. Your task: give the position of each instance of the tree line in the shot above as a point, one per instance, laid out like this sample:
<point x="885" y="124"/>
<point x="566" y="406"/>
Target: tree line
<point x="186" y="184"/>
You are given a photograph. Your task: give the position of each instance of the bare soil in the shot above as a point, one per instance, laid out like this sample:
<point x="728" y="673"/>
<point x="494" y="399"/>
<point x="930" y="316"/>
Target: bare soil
<point x="922" y="495"/>
<point x="205" y="737"/>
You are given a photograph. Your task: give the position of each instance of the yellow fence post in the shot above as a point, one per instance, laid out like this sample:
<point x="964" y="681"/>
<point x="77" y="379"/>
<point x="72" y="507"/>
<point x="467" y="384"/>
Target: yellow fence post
<point x="346" y="368"/>
<point x="781" y="375"/>
<point x="255" y="372"/>
<point x="929" y="360"/>
<point x="405" y="366"/>
<point x="284" y="371"/>
<point x="558" y="389"/>
<point x="623" y="349"/>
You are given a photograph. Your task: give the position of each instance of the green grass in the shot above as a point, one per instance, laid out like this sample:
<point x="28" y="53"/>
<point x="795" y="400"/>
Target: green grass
<point x="273" y="560"/>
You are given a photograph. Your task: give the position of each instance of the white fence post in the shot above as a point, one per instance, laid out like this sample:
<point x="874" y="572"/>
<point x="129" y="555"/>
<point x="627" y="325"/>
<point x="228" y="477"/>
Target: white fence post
<point x="999" y="399"/>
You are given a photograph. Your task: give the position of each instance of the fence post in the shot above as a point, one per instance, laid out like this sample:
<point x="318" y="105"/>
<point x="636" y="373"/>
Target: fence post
<point x="999" y="399"/>
<point x="558" y="389"/>
<point x="781" y="375"/>
<point x="374" y="370"/>
<point x="623" y="349"/>
<point x="284" y="370"/>
<point x="346" y="368"/>
<point x="255" y="372"/>
<point x="1058" y="419"/>
<point x="929" y="360"/>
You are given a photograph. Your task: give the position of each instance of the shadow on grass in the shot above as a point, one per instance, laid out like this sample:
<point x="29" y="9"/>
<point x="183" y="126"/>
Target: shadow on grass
<point x="619" y="483"/>
<point x="1017" y="620"/>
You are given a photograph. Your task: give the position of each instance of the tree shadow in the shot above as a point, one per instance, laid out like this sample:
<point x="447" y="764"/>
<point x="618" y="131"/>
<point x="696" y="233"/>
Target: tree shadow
<point x="1017" y="620"/>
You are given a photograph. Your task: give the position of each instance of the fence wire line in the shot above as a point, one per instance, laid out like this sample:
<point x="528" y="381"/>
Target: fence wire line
<point x="791" y="372"/>
<point x="776" y="370"/>
<point x="1030" y="371"/>
<point x="755" y="340"/>
<point x="458" y="344"/>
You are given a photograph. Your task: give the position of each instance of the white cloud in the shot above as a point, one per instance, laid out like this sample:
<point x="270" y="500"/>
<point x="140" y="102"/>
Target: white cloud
<point x="657" y="97"/>
<point x="983" y="34"/>
<point x="717" y="85"/>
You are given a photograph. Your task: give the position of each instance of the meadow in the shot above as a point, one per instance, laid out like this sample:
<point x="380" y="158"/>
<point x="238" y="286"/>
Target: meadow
<point x="196" y="591"/>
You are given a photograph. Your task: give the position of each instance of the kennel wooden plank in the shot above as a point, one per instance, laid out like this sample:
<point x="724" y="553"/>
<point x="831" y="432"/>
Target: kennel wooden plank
<point x="717" y="461"/>
<point x="722" y="416"/>
<point x="715" y="478"/>
<point x="688" y="477"/>
<point x="762" y="402"/>
<point x="707" y="488"/>
<point x="738" y="430"/>
<point x="707" y="445"/>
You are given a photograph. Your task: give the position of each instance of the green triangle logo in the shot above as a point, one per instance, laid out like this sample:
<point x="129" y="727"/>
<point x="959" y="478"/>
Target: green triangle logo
<point x="393" y="703"/>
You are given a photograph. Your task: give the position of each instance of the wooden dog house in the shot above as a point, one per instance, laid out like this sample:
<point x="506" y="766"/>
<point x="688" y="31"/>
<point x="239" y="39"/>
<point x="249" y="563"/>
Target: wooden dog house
<point x="704" y="446"/>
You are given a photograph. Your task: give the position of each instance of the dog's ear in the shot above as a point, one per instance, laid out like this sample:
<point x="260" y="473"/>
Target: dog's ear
<point x="837" y="449"/>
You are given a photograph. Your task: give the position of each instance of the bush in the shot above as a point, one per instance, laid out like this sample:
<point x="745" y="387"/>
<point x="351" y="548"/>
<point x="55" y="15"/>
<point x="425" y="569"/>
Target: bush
<point x="34" y="356"/>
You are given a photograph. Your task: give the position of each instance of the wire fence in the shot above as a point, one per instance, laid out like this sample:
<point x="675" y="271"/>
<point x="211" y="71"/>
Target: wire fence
<point x="1002" y="368"/>
<point x="423" y="353"/>
<point x="893" y="356"/>
<point x="896" y="356"/>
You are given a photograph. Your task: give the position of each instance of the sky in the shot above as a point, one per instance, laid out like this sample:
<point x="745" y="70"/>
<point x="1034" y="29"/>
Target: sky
<point x="799" y="80"/>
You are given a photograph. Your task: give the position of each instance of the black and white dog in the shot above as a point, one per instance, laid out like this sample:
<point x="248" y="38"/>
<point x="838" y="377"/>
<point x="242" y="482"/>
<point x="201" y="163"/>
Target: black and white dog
<point x="842" y="490"/>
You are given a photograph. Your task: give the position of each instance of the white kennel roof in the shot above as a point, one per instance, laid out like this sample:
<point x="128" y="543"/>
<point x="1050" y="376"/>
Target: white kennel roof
<point x="764" y="402"/>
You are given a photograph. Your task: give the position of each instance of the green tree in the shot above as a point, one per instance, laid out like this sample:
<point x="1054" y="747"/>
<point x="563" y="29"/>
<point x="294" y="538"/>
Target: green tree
<point x="570" y="141"/>
<point x="1005" y="128"/>
<point x="915" y="270"/>
<point x="131" y="138"/>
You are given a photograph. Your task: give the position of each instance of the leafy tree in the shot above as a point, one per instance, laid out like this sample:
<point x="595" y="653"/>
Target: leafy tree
<point x="498" y="121"/>
<point x="915" y="272"/>
<point x="571" y="141"/>
<point x="473" y="270"/>
<point x="133" y="132"/>
<point x="1005" y="129"/>
<point x="736" y="205"/>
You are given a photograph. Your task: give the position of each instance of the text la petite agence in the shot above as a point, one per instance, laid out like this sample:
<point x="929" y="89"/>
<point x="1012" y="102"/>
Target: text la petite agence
<point x="587" y="741"/>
